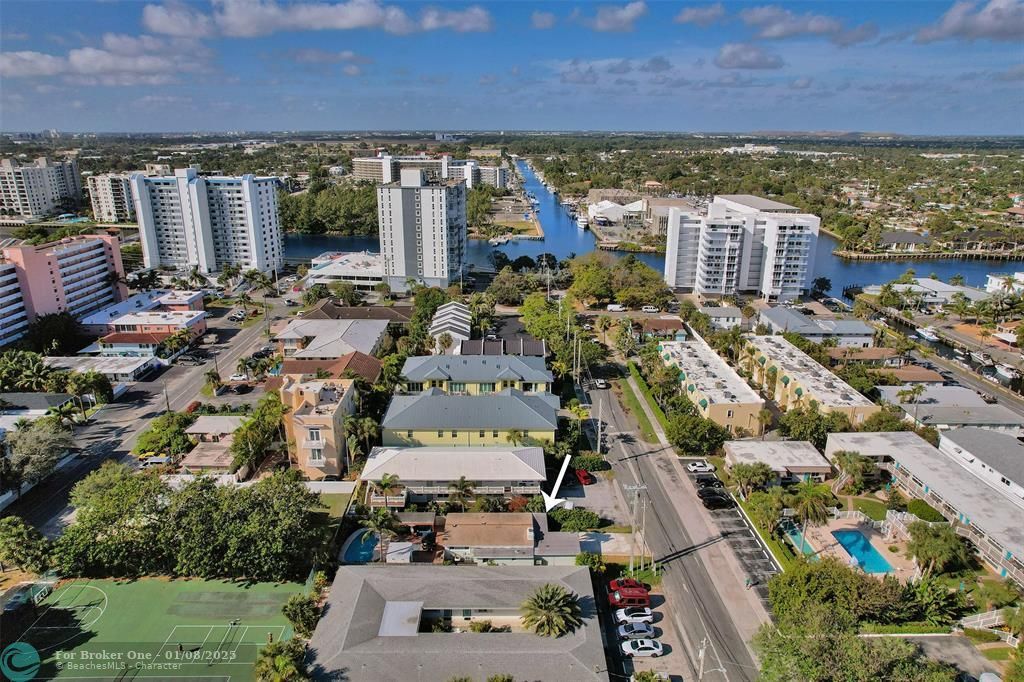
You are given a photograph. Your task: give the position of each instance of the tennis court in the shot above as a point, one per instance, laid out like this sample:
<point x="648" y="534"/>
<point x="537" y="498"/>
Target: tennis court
<point x="157" y="628"/>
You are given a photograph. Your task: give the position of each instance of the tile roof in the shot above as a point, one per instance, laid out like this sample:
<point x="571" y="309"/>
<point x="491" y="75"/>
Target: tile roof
<point x="362" y="364"/>
<point x="328" y="310"/>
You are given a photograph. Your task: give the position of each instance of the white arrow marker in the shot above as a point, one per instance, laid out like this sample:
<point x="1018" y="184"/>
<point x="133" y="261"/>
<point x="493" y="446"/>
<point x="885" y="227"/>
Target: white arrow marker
<point x="551" y="501"/>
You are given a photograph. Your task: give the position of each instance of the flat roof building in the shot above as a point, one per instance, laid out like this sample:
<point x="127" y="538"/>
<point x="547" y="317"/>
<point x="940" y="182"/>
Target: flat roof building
<point x="39" y="189"/>
<point x="996" y="458"/>
<point x="847" y="333"/>
<point x="951" y="407"/>
<point x="933" y="291"/>
<point x="714" y="388"/>
<point x="111" y="197"/>
<point x="117" y="369"/>
<point x="362" y="269"/>
<point x="378" y="620"/>
<point x="791" y="460"/>
<point x="799" y="379"/>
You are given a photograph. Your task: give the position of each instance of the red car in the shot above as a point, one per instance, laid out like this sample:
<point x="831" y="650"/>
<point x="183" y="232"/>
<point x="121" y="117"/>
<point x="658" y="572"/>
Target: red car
<point x="621" y="599"/>
<point x="584" y="477"/>
<point x="627" y="584"/>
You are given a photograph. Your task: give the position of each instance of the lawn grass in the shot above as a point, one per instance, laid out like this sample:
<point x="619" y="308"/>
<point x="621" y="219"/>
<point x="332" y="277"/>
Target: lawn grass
<point x="875" y="509"/>
<point x="632" y="404"/>
<point x="647" y="575"/>
<point x="186" y="623"/>
<point x="783" y="554"/>
<point x="998" y="653"/>
<point x="335" y="503"/>
<point x="659" y="414"/>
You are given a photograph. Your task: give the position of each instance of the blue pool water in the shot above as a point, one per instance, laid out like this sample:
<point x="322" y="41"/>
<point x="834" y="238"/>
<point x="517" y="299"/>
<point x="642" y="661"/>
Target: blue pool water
<point x="360" y="548"/>
<point x="796" y="538"/>
<point x="858" y="546"/>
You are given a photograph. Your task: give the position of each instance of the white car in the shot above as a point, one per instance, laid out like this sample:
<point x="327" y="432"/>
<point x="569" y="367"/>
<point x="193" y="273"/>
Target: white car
<point x="649" y="309"/>
<point x="636" y="631"/>
<point x="700" y="467"/>
<point x="238" y="377"/>
<point x="600" y="384"/>
<point x="641" y="648"/>
<point x="634" y="614"/>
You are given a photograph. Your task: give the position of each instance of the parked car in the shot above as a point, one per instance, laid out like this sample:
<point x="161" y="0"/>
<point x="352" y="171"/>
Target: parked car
<point x="588" y="327"/>
<point x="636" y="631"/>
<point x="241" y="389"/>
<point x="641" y="648"/>
<point x="238" y="377"/>
<point x="629" y="597"/>
<point x="616" y="308"/>
<point x="584" y="477"/>
<point x="708" y="481"/>
<point x="262" y="353"/>
<point x="717" y="502"/>
<point x="600" y="384"/>
<point x="291" y="302"/>
<point x="650" y="309"/>
<point x="153" y="462"/>
<point x="705" y="493"/>
<point x="701" y="467"/>
<point x="627" y="584"/>
<point x="635" y="614"/>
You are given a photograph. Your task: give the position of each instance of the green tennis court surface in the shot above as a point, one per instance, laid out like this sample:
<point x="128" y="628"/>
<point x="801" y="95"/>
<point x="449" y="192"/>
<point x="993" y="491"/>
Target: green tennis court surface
<point x="157" y="628"/>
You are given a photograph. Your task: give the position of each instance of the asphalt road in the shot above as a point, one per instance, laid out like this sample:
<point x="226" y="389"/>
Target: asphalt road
<point x="700" y="617"/>
<point x="112" y="432"/>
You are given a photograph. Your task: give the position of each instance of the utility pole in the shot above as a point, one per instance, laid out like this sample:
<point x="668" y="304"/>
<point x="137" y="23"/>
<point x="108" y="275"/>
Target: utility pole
<point x="635" y="489"/>
<point x="600" y="422"/>
<point x="643" y="531"/>
<point x="700" y="659"/>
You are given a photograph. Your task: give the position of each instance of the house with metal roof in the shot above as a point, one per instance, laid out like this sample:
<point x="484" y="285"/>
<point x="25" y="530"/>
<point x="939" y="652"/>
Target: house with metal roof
<point x="994" y="457"/>
<point x="378" y="625"/>
<point x="434" y="417"/>
<point x="475" y="374"/>
<point x="425" y="473"/>
<point x="304" y="339"/>
<point x="851" y="333"/>
<point x="455" y="320"/>
<point x="952" y="407"/>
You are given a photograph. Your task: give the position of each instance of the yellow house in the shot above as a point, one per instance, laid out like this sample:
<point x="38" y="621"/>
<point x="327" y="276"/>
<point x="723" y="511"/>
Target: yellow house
<point x="714" y="388"/>
<point x="476" y="374"/>
<point x="797" y="379"/>
<point x="433" y="418"/>
<point x="314" y="423"/>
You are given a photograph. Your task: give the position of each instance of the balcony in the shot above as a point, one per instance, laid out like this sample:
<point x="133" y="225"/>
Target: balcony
<point x="398" y="500"/>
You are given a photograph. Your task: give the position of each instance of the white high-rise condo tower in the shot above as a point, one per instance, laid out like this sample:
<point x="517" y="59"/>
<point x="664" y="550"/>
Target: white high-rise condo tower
<point x="742" y="244"/>
<point x="422" y="230"/>
<point x="190" y="219"/>
<point x="38" y="189"/>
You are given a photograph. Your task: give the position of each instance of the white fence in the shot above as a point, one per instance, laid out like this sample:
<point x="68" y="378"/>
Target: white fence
<point x="988" y="621"/>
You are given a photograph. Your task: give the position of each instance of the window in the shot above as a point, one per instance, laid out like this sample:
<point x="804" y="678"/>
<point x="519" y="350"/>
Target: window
<point x="487" y="388"/>
<point x="316" y="455"/>
<point x="313" y="435"/>
<point x="494" y="434"/>
<point x="455" y="434"/>
<point x="457" y="387"/>
<point x="408" y="434"/>
<point x="729" y="413"/>
<point x="481" y="433"/>
<point x="440" y="433"/>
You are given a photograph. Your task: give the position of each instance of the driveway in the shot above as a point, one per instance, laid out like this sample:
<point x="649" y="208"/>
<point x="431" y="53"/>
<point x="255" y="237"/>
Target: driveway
<point x="957" y="651"/>
<point x="603" y="497"/>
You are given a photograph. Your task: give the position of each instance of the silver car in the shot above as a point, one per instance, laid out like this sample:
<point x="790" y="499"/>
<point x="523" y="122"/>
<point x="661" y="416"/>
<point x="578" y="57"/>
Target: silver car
<point x="636" y="631"/>
<point x="634" y="614"/>
<point x="641" y="648"/>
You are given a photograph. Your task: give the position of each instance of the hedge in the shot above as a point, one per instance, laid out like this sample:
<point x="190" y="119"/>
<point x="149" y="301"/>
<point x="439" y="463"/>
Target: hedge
<point x="902" y="628"/>
<point x="575" y="520"/>
<point x="924" y="511"/>
<point x="589" y="461"/>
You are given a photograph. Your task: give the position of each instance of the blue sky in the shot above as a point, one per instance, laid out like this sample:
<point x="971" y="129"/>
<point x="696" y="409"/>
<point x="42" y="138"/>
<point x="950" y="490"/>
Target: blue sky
<point x="909" y="67"/>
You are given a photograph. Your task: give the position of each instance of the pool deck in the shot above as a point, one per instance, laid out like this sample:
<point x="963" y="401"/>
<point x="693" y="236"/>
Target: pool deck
<point x="826" y="544"/>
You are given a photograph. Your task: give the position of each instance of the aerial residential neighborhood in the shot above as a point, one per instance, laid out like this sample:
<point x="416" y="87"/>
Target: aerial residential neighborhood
<point x="619" y="341"/>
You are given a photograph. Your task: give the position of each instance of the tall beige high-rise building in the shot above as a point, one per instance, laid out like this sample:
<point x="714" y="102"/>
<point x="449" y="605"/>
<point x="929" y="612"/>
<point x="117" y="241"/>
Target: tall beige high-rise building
<point x="111" y="198"/>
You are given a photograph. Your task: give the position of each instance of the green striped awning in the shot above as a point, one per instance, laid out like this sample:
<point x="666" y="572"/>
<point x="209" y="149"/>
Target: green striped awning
<point x="785" y="381"/>
<point x="762" y="360"/>
<point x="682" y="376"/>
<point x="703" y="403"/>
<point x="691" y="388"/>
<point x="799" y="392"/>
<point x="667" y="356"/>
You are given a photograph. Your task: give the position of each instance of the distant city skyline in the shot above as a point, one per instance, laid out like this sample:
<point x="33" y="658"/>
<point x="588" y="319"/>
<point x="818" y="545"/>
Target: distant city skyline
<point x="929" y="68"/>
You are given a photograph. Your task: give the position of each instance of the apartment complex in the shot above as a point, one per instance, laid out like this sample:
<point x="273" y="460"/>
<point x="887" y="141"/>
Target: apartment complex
<point x="422" y="230"/>
<point x="361" y="269"/>
<point x="13" y="313"/>
<point x="38" y="189"/>
<point x="796" y="380"/>
<point x="742" y="244"/>
<point x="848" y="333"/>
<point x="73" y="275"/>
<point x="475" y="374"/>
<point x="384" y="169"/>
<point x="190" y="219"/>
<point x="111" y="198"/>
<point x="714" y="388"/>
<point x="315" y="424"/>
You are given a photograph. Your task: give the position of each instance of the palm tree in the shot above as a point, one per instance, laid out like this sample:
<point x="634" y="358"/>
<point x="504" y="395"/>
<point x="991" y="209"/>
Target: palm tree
<point x="957" y="280"/>
<point x="64" y="414"/>
<point x="381" y="522"/>
<point x="856" y="466"/>
<point x="911" y="394"/>
<point x="366" y="429"/>
<point x="279" y="662"/>
<point x="515" y="436"/>
<point x="459" y="491"/>
<point x="244" y="299"/>
<point x="581" y="413"/>
<point x="748" y="476"/>
<point x="352" y="448"/>
<point x="388" y="484"/>
<point x="985" y="334"/>
<point x="810" y="502"/>
<point x="213" y="380"/>
<point x="935" y="546"/>
<point x="196" y="278"/>
<point x="243" y="366"/>
<point x="766" y="507"/>
<point x="445" y="341"/>
<point x="1014" y="620"/>
<point x="603" y="324"/>
<point x="384" y="289"/>
<point x="764" y="418"/>
<point x="552" y="611"/>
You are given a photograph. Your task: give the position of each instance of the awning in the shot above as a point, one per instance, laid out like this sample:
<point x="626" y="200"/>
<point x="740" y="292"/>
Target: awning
<point x="785" y="381"/>
<point x="691" y="388"/>
<point x="703" y="403"/>
<point x="682" y="376"/>
<point x="762" y="360"/>
<point x="799" y="392"/>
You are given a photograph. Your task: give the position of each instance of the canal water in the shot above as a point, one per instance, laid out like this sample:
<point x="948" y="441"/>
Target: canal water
<point x="564" y="239"/>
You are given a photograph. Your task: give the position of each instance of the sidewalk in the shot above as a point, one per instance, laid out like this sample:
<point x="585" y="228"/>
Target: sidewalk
<point x="722" y="564"/>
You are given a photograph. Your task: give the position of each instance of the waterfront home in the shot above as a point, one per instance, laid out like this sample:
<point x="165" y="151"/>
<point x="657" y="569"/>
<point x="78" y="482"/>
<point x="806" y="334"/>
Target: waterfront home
<point x="951" y="407"/>
<point x="425" y="473"/>
<point x="1005" y="283"/>
<point x="878" y="356"/>
<point x="434" y="417"/>
<point x="904" y="241"/>
<point x="847" y="333"/>
<point x="475" y="374"/>
<point x="717" y="392"/>
<point x="932" y="292"/>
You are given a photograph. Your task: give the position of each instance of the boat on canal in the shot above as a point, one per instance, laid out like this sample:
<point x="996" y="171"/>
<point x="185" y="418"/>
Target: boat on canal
<point x="982" y="358"/>
<point x="582" y="222"/>
<point x="928" y="334"/>
<point x="1007" y="371"/>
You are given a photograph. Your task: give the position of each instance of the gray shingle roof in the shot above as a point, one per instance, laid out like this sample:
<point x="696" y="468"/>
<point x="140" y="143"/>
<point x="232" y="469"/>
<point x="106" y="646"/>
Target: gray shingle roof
<point x="348" y="642"/>
<point x="476" y="368"/>
<point x="32" y="401"/>
<point x="508" y="409"/>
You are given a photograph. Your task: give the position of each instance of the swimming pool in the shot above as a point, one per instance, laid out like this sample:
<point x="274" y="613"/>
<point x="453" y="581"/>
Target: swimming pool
<point x="359" y="548"/>
<point x="796" y="538"/>
<point x="860" y="548"/>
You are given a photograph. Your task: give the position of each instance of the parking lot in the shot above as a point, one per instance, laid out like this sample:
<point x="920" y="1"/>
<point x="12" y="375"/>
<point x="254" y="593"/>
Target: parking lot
<point x="743" y="540"/>
<point x="664" y="633"/>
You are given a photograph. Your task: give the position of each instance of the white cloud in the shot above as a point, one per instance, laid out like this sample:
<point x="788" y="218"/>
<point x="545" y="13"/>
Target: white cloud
<point x="617" y="18"/>
<point x="177" y="19"/>
<point x="621" y="67"/>
<point x="701" y="16"/>
<point x="746" y="56"/>
<point x="775" y="23"/>
<point x="352" y="70"/>
<point x="29" y="64"/>
<point x="578" y="73"/>
<point x="656" y="64"/>
<point x="316" y="56"/>
<point x="470" y="20"/>
<point x="154" y="101"/>
<point x="1001" y="20"/>
<point x="801" y="83"/>
<point x="1014" y="73"/>
<point x="543" y="20"/>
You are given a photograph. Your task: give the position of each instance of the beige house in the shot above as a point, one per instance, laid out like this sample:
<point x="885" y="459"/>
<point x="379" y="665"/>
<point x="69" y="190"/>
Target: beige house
<point x="714" y="388"/>
<point x="314" y="424"/>
<point x="799" y="380"/>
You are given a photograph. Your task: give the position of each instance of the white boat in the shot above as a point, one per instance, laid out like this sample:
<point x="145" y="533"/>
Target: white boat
<point x="960" y="355"/>
<point x="498" y="241"/>
<point x="928" y="334"/>
<point x="582" y="222"/>
<point x="981" y="358"/>
<point x="1007" y="371"/>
